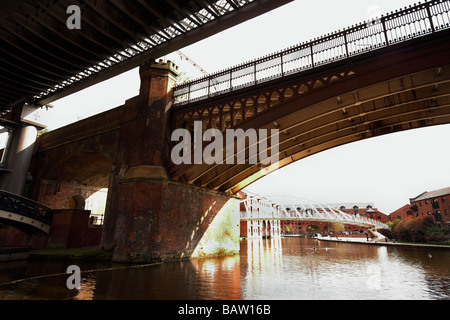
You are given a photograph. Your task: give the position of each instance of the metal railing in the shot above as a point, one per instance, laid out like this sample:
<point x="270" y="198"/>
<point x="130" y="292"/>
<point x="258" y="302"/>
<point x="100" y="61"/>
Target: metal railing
<point x="13" y="203"/>
<point x="399" y="26"/>
<point x="259" y="208"/>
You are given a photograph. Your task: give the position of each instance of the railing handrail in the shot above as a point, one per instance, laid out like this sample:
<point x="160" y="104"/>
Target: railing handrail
<point x="18" y="204"/>
<point x="379" y="32"/>
<point x="283" y="214"/>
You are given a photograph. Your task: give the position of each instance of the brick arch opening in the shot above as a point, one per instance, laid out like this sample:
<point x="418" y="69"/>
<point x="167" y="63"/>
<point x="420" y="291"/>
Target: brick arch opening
<point x="78" y="181"/>
<point x="87" y="168"/>
<point x="76" y="202"/>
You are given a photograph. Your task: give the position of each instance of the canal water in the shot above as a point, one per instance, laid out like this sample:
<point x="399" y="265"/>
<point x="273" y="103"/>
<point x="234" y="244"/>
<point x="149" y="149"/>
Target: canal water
<point x="269" y="269"/>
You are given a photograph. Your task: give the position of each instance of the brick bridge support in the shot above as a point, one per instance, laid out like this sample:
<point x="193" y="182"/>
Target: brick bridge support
<point x="148" y="216"/>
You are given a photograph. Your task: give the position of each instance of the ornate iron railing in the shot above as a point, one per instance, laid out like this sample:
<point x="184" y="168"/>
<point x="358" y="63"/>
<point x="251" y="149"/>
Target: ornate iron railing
<point x="28" y="208"/>
<point x="399" y="26"/>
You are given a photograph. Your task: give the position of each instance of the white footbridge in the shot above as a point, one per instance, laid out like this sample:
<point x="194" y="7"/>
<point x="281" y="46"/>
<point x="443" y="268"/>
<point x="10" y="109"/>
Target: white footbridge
<point x="263" y="216"/>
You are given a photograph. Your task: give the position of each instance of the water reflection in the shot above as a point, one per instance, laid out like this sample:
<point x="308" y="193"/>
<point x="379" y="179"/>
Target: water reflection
<point x="314" y="269"/>
<point x="275" y="269"/>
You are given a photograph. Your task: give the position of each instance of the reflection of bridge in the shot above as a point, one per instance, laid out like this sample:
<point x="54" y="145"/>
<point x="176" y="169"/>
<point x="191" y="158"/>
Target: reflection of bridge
<point x="259" y="211"/>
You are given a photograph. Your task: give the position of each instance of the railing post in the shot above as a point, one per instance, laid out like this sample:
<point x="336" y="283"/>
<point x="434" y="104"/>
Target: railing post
<point x="312" y="53"/>
<point x="189" y="93"/>
<point x="209" y="87"/>
<point x="430" y="17"/>
<point x="346" y="44"/>
<point x="383" y="23"/>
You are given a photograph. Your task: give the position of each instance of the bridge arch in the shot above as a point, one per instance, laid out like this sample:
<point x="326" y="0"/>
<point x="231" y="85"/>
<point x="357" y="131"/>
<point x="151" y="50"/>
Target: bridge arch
<point x="24" y="214"/>
<point x="70" y="181"/>
<point x="76" y="202"/>
<point x="335" y="104"/>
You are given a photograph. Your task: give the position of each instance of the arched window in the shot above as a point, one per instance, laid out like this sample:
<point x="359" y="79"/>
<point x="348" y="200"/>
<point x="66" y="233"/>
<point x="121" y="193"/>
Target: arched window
<point x="76" y="202"/>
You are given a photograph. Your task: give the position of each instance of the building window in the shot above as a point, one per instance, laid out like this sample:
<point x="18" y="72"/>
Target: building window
<point x="426" y="201"/>
<point x="435" y="204"/>
<point x="443" y="199"/>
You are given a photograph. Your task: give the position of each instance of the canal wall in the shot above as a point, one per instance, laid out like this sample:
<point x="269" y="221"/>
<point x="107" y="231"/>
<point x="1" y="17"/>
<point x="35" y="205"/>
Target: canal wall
<point x="383" y="243"/>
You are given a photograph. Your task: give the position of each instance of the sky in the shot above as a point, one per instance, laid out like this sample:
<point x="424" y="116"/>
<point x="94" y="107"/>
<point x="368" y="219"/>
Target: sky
<point x="386" y="170"/>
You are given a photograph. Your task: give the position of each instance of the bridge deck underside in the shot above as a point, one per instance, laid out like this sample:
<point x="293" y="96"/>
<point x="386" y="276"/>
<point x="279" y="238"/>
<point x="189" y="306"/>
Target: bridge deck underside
<point x="43" y="60"/>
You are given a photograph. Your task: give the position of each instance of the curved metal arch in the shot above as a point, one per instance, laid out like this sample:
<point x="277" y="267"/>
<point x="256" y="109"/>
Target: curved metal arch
<point x="24" y="213"/>
<point x="261" y="208"/>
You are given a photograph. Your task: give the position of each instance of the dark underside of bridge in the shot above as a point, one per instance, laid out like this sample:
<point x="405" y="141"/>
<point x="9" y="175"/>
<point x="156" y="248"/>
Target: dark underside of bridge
<point x="41" y="59"/>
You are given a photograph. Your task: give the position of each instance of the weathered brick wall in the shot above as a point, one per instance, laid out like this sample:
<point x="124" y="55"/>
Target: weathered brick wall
<point x="166" y="221"/>
<point x="70" y="229"/>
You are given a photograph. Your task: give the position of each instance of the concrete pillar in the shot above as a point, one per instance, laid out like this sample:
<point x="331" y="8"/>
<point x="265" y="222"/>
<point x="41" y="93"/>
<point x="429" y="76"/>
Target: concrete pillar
<point x="277" y="228"/>
<point x="249" y="229"/>
<point x="18" y="159"/>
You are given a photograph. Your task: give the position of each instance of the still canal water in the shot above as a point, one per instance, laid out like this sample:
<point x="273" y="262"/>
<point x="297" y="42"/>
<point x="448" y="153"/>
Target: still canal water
<point x="272" y="269"/>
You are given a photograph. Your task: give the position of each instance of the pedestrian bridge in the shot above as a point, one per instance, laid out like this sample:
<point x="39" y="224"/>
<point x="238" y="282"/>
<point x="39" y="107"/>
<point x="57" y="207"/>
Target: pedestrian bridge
<point x="258" y="209"/>
<point x="24" y="213"/>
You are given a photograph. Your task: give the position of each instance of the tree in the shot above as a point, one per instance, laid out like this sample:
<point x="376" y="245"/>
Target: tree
<point x="392" y="225"/>
<point x="411" y="230"/>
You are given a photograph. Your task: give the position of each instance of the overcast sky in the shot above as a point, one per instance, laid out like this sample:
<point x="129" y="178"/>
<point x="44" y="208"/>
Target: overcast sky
<point x="386" y="170"/>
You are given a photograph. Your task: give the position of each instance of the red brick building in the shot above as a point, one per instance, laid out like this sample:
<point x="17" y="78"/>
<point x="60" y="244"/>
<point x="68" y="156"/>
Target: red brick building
<point x="434" y="204"/>
<point x="404" y="212"/>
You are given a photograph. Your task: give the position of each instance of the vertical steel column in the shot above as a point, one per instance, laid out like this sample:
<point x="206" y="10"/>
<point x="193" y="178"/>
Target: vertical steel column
<point x="18" y="159"/>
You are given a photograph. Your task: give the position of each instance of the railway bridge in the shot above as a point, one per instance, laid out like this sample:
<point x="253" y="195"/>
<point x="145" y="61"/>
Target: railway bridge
<point x="378" y="77"/>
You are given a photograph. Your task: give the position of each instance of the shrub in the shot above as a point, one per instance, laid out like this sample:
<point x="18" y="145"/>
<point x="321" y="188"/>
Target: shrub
<point x="411" y="230"/>
<point x="422" y="230"/>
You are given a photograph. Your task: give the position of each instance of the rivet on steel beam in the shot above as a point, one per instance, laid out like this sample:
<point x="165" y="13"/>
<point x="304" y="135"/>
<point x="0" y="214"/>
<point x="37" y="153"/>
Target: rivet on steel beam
<point x="438" y="71"/>
<point x="276" y="124"/>
<point x="339" y="100"/>
<point x="435" y="88"/>
<point x="344" y="111"/>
